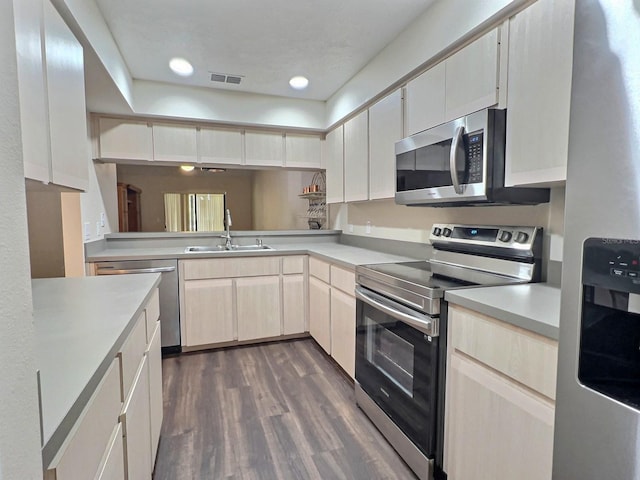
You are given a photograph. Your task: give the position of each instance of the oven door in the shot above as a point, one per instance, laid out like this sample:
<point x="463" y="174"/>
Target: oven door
<point x="396" y="365"/>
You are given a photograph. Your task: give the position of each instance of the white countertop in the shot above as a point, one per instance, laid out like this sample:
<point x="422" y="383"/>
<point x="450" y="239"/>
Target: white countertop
<point x="80" y="323"/>
<point x="345" y="255"/>
<point x="533" y="306"/>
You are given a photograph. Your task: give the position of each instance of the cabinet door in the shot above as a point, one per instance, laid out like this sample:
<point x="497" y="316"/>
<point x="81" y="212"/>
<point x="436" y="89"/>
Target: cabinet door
<point x="356" y="158"/>
<point x="137" y="427"/>
<point x="64" y="63"/>
<point x="32" y="92"/>
<point x="539" y="85"/>
<point x="302" y="151"/>
<point x="425" y="102"/>
<point x="486" y="413"/>
<point x="320" y="313"/>
<point x="264" y="149"/>
<point x="155" y="390"/>
<point x="258" y="307"/>
<point x="113" y="465"/>
<point x="334" y="162"/>
<point x="472" y="77"/>
<point x="174" y="143"/>
<point x="343" y="330"/>
<point x="385" y="129"/>
<point x="219" y="146"/>
<point x="124" y="139"/>
<point x="208" y="312"/>
<point x="293" y="310"/>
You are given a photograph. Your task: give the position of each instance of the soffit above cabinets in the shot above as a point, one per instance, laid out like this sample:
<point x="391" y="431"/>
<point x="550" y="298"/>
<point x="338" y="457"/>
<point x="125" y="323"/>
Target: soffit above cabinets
<point x="264" y="43"/>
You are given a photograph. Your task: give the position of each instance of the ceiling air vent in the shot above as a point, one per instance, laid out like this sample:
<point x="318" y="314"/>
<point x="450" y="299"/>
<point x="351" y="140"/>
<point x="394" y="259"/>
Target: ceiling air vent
<point x="226" y="78"/>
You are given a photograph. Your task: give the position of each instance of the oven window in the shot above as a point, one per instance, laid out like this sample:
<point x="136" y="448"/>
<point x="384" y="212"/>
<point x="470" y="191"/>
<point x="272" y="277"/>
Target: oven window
<point x="390" y="354"/>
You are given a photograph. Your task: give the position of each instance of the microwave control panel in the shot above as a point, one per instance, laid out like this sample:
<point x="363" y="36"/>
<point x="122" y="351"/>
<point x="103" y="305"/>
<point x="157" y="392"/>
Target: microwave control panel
<point x="475" y="148"/>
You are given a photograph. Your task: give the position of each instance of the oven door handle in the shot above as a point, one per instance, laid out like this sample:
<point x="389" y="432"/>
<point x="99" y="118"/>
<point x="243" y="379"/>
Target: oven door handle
<point x="419" y="322"/>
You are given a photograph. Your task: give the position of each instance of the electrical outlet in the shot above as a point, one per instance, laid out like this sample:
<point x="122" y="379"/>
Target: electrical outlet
<point x="368" y="227"/>
<point x="87" y="230"/>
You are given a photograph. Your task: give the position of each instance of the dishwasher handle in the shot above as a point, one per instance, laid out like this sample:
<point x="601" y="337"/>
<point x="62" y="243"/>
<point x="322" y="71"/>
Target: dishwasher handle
<point x="123" y="271"/>
<point x="420" y="322"/>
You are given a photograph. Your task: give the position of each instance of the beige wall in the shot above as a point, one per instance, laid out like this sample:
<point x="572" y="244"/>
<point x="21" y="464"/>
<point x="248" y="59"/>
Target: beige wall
<point x="391" y="221"/>
<point x="156" y="181"/>
<point x="46" y="249"/>
<point x="276" y="201"/>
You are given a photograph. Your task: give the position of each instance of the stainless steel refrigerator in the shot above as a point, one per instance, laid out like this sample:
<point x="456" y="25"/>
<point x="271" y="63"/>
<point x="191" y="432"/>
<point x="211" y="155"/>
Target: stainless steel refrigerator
<point x="597" y="427"/>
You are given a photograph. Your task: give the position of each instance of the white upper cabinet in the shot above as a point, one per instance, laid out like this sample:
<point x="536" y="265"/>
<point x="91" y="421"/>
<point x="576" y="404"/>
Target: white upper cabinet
<point x="334" y="163"/>
<point x="124" y="139"/>
<point x="264" y="149"/>
<point x="425" y="102"/>
<point x="302" y="151"/>
<point x="219" y="146"/>
<point x="174" y="143"/>
<point x="539" y="86"/>
<point x="356" y="158"/>
<point x="68" y="153"/>
<point x="385" y="129"/>
<point x="32" y="89"/>
<point x="472" y="77"/>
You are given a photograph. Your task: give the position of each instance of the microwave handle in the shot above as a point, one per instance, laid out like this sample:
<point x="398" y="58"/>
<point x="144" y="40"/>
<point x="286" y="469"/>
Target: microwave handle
<point x="453" y="157"/>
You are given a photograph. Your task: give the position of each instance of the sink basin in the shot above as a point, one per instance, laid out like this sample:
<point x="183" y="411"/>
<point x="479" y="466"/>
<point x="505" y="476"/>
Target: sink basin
<point x="222" y="248"/>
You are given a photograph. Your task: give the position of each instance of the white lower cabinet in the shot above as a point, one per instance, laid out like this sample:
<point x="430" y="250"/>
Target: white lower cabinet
<point x="207" y="315"/>
<point x="136" y="423"/>
<point x="84" y="448"/>
<point x="156" y="414"/>
<point x="332" y="312"/>
<point x="112" y="467"/>
<point x="497" y="429"/>
<point x="320" y="313"/>
<point x="293" y="304"/>
<point x="343" y="330"/>
<point x="499" y="402"/>
<point x="258" y="307"/>
<point x="114" y="439"/>
<point x="241" y="299"/>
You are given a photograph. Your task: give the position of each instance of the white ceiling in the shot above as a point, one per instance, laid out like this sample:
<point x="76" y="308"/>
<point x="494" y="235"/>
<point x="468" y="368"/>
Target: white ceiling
<point x="265" y="41"/>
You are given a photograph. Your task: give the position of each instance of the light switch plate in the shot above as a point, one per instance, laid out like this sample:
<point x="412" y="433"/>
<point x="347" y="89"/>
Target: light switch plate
<point x="102" y="219"/>
<point x="87" y="230"/>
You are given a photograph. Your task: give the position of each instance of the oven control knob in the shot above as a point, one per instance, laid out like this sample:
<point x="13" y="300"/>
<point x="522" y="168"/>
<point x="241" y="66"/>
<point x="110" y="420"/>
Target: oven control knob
<point x="446" y="232"/>
<point x="522" y="237"/>
<point x="437" y="231"/>
<point x="505" y="236"/>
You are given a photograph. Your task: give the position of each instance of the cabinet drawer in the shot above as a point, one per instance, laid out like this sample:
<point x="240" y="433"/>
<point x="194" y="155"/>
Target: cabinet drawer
<point x="319" y="269"/>
<point x="131" y="353"/>
<point x="152" y="313"/>
<point x="230" y="267"/>
<point x="342" y="279"/>
<point x="524" y="356"/>
<point x="85" y="446"/>
<point x="293" y="264"/>
<point x="112" y="467"/>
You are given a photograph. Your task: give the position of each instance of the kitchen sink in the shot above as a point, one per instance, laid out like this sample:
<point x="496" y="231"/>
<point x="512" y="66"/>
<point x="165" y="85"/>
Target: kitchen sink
<point x="223" y="248"/>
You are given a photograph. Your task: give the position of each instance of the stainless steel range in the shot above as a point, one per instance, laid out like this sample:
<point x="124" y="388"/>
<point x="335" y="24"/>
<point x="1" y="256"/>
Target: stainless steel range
<point x="401" y="330"/>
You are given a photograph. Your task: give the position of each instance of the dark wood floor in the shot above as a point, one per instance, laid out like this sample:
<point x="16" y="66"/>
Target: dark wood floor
<point x="273" y="411"/>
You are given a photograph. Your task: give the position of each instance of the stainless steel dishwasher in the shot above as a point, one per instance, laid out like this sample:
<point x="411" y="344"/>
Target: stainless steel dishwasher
<point x="169" y="302"/>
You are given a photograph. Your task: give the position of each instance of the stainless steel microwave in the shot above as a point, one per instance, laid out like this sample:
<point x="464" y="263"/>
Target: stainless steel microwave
<point x="459" y="163"/>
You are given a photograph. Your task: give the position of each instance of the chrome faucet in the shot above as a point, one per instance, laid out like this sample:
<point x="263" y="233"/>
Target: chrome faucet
<point x="227" y="235"/>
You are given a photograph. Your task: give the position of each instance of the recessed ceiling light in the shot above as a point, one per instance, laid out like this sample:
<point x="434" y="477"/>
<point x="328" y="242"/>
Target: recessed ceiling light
<point x="187" y="168"/>
<point x="299" y="82"/>
<point x="181" y="67"/>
